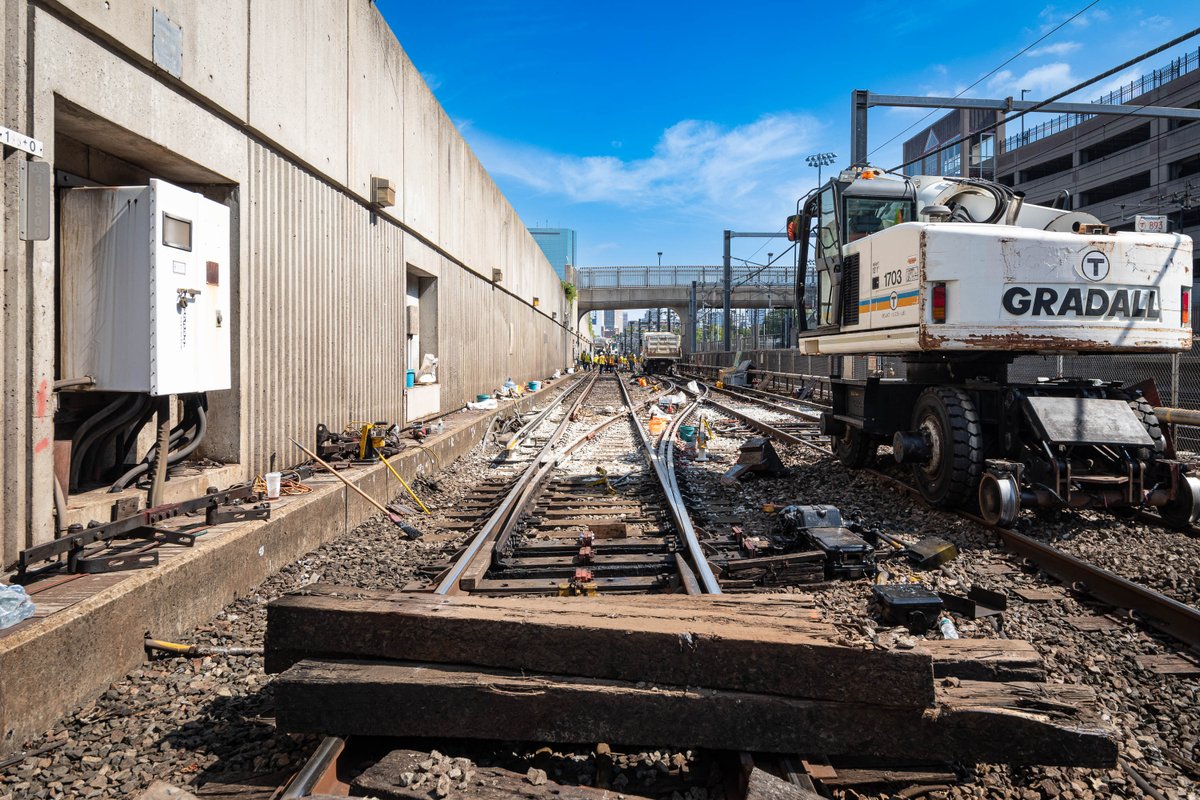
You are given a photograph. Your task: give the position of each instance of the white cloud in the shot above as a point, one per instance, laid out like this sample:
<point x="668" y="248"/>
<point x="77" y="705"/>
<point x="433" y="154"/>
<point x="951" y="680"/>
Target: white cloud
<point x="1052" y="16"/>
<point x="1156" y="23"/>
<point x="1042" y="81"/>
<point x="1057" y="49"/>
<point x="722" y="172"/>
<point x="431" y="80"/>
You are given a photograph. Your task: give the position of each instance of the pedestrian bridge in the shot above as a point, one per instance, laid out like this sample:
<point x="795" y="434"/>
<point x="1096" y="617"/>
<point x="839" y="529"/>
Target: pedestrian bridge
<point x="617" y="288"/>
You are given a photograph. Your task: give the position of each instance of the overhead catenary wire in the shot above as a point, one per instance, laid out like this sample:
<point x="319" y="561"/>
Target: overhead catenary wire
<point x="1065" y="93"/>
<point x="982" y="78"/>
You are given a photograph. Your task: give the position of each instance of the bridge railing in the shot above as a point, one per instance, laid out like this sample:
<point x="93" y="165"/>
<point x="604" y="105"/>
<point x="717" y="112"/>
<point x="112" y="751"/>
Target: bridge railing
<point x="643" y="277"/>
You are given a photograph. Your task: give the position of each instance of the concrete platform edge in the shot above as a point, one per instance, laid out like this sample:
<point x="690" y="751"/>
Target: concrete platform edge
<point x="64" y="660"/>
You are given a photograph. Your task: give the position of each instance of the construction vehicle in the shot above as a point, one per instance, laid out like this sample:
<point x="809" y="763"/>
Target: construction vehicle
<point x="958" y="276"/>
<point x="661" y="349"/>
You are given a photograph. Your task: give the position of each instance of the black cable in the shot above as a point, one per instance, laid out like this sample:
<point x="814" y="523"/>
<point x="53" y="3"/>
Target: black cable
<point x="1077" y="87"/>
<point x="1026" y="49"/>
<point x="195" y="407"/>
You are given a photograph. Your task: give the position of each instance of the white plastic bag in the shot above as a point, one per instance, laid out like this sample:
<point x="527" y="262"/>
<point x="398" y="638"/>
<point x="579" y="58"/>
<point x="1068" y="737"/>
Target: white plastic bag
<point x="487" y="405"/>
<point x="15" y="605"/>
<point x="428" y="370"/>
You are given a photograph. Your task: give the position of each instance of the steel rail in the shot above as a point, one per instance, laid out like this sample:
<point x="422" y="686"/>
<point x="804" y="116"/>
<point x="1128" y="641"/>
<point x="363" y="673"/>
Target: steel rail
<point x="317" y="770"/>
<point x="491" y="528"/>
<point x="540" y="417"/>
<point x="551" y="464"/>
<point x="762" y="427"/>
<point x="1157" y="610"/>
<point x="750" y="393"/>
<point x="662" y="460"/>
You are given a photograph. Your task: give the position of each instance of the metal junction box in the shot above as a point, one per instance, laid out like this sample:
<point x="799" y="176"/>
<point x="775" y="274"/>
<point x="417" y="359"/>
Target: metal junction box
<point x="145" y="280"/>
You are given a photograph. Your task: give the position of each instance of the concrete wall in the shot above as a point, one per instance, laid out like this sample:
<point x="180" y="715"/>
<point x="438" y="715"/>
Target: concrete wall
<point x="284" y="109"/>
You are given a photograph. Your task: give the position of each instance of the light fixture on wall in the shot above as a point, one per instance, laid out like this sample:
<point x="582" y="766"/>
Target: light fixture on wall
<point x="536" y="302"/>
<point x="383" y="192"/>
<point x="497" y="275"/>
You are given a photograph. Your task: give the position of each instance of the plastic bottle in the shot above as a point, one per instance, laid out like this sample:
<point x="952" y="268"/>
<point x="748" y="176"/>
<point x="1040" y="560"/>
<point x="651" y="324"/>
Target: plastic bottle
<point x="947" y="627"/>
<point x="15" y="605"/>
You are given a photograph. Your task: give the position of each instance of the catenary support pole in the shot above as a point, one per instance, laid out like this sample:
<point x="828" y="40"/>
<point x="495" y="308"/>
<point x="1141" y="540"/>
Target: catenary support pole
<point x="727" y="288"/>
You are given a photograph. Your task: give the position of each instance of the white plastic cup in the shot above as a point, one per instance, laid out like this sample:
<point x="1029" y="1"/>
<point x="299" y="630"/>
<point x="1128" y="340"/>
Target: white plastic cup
<point x="273" y="480"/>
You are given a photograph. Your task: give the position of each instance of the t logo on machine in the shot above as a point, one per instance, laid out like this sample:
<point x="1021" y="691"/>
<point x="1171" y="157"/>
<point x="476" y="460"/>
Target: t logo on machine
<point x="1094" y="266"/>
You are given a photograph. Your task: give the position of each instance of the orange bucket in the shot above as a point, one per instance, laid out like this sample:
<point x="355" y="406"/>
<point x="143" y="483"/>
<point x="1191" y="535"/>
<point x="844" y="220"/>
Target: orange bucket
<point x="656" y="425"/>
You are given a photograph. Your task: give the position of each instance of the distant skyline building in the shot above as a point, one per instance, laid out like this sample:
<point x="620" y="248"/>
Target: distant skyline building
<point x="974" y="157"/>
<point x="559" y="246"/>
<point x="610" y="319"/>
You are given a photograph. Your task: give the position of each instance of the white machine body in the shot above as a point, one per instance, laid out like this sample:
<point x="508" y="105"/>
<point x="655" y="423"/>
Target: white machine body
<point x="661" y="344"/>
<point x="1029" y="286"/>
<point x="145" y="277"/>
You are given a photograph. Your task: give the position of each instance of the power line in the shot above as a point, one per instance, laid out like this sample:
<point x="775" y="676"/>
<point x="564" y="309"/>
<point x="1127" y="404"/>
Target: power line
<point x="1011" y="59"/>
<point x="1062" y="94"/>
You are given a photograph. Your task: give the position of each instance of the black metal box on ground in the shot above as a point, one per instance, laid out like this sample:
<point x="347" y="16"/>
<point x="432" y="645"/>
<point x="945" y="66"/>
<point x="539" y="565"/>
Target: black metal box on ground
<point x="908" y="604"/>
<point x="847" y="555"/>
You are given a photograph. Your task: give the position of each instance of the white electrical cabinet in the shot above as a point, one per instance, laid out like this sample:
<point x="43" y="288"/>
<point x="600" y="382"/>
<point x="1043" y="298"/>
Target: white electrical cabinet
<point x="144" y="285"/>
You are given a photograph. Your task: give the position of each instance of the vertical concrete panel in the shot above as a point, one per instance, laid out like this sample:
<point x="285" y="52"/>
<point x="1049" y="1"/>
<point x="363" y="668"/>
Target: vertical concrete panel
<point x="297" y="79"/>
<point x="421" y="177"/>
<point x="451" y="205"/>
<point x="376" y="86"/>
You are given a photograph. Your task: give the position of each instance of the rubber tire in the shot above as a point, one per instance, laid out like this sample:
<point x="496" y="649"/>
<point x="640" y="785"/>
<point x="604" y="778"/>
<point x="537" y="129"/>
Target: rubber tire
<point x="1145" y="414"/>
<point x="951" y="478"/>
<point x="854" y="448"/>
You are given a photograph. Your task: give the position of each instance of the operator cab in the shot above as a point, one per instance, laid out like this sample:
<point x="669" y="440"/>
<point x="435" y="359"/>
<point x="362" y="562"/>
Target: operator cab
<point x="849" y="208"/>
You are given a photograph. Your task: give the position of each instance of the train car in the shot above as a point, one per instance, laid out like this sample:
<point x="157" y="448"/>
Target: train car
<point x="661" y="350"/>
<point x="958" y="276"/>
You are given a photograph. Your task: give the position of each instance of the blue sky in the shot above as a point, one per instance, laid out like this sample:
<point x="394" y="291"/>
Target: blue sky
<point x="654" y="126"/>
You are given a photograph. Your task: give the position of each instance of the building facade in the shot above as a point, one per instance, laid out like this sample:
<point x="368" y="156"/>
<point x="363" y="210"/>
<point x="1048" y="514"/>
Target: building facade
<point x="973" y="156"/>
<point x="559" y="246"/>
<point x="1117" y="167"/>
<point x="363" y="232"/>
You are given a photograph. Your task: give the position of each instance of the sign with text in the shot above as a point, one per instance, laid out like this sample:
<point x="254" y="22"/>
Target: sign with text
<point x="1150" y="223"/>
<point x="21" y="142"/>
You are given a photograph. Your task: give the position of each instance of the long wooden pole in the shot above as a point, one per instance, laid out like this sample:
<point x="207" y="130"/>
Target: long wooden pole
<point x="394" y="518"/>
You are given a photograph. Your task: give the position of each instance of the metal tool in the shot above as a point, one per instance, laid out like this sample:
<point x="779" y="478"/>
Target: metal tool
<point x="396" y="520"/>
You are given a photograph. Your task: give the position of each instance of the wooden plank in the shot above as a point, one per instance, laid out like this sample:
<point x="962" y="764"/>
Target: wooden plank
<point x="889" y="777"/>
<point x="985" y="659"/>
<point x="1038" y="595"/>
<point x="1016" y="723"/>
<point x="762" y="785"/>
<point x="1092" y="623"/>
<point x="1168" y="664"/>
<point x="383" y="781"/>
<point x="685" y="643"/>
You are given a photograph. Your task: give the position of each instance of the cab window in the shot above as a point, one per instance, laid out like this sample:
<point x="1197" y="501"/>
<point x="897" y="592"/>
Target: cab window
<point x="867" y="215"/>
<point x="828" y="239"/>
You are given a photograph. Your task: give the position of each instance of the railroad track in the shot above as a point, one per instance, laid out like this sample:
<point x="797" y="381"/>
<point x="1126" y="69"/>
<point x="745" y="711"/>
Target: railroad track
<point x="1161" y="612"/>
<point x="588" y="503"/>
<point x="595" y="509"/>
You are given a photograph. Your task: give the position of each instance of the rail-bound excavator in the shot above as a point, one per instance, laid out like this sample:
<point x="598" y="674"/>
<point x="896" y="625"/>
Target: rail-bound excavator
<point x="958" y="277"/>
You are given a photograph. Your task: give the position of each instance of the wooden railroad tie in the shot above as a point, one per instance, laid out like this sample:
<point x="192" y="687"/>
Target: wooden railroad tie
<point x="749" y="672"/>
